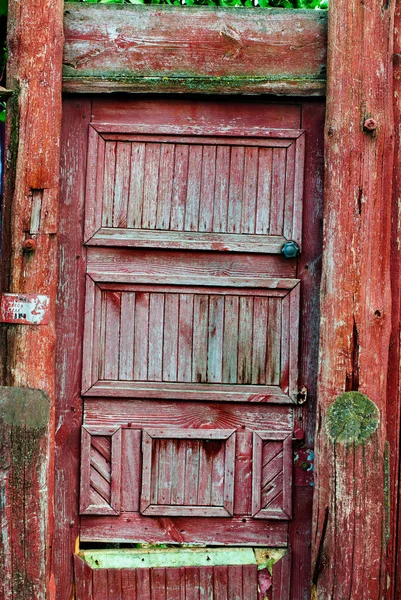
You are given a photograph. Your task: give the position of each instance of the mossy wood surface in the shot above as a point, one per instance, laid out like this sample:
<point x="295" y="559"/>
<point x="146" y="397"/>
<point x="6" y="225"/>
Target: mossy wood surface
<point x="124" y="48"/>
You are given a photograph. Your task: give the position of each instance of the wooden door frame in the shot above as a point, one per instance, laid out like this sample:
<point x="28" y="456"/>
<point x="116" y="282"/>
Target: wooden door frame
<point x="357" y="320"/>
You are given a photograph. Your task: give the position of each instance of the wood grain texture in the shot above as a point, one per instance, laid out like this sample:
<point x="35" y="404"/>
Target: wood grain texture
<point x="183" y="583"/>
<point x="123" y="48"/>
<point x="71" y="294"/>
<point x="355" y="329"/>
<point x="30" y="209"/>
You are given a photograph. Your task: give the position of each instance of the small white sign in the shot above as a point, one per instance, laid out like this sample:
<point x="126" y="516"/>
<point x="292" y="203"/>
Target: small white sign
<point x="25" y="309"/>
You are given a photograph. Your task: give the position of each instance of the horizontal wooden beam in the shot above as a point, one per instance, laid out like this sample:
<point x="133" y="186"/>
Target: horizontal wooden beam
<point x="123" y="48"/>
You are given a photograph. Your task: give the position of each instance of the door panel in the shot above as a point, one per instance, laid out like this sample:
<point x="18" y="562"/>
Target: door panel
<point x="191" y="348"/>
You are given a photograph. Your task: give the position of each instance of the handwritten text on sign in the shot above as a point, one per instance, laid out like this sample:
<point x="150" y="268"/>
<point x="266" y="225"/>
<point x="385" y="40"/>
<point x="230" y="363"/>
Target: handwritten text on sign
<point x="27" y="309"/>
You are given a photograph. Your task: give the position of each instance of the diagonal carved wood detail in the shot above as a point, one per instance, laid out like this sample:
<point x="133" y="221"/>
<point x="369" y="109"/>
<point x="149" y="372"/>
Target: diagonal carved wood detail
<point x="100" y="471"/>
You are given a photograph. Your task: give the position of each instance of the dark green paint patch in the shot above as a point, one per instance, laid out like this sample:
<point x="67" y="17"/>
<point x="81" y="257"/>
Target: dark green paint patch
<point x="352" y="418"/>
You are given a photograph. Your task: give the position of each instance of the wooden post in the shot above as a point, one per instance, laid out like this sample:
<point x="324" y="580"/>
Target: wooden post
<point x="35" y="42"/>
<point x="351" y="490"/>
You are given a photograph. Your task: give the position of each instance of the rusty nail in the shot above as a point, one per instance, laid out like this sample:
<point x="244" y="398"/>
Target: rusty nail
<point x="29" y="245"/>
<point x="299" y="434"/>
<point x="370" y="124"/>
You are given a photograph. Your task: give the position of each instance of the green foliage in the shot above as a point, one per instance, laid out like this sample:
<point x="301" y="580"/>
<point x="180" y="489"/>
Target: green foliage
<point x="310" y="4"/>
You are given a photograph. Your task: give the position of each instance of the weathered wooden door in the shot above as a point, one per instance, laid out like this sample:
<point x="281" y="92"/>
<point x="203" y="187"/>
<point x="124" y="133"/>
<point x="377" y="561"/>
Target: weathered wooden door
<point x="194" y="338"/>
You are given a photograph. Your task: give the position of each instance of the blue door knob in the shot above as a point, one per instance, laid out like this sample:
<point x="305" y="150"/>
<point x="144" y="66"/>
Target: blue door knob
<point x="290" y="249"/>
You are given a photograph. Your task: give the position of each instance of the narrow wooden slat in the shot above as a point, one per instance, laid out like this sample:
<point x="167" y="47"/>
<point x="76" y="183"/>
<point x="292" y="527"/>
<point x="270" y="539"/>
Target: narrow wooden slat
<point x="164" y="472"/>
<point x="141" y="336"/>
<point x="134" y="213"/>
<point x="256" y="473"/>
<point x="100" y="584"/>
<point x="205" y="475"/>
<point x="245" y="340"/>
<point x="98" y="336"/>
<point x="85" y="470"/>
<point x="278" y="340"/>
<point x="150" y="185"/>
<point x="180" y="179"/>
<point x="259" y="340"/>
<point x="192" y="583"/>
<point x="206" y="583"/>
<point x="101" y="487"/>
<point x="248" y="220"/>
<point x="95" y="174"/>
<point x="278" y="191"/>
<point x="264" y="191"/>
<point x="112" y="335"/>
<point x="165" y="186"/>
<point x="178" y="466"/>
<point x="287" y="476"/>
<point x="193" y="188"/>
<point x="192" y="473"/>
<point x="200" y="338"/>
<point x="83" y="579"/>
<point x="218" y="472"/>
<point x="170" y="337"/>
<point x="147" y="448"/>
<point x="89" y="361"/>
<point x="220" y="583"/>
<point x="109" y="183"/>
<point x="155" y="464"/>
<point x="215" y="340"/>
<point x="101" y="465"/>
<point x="185" y="337"/>
<point x="235" y="197"/>
<point x="250" y="582"/>
<point x="156" y="325"/>
<point x="114" y="584"/>
<point x="158" y="583"/>
<point x="122" y="184"/>
<point x="130" y="469"/>
<point x="221" y="188"/>
<point x="128" y="584"/>
<point x="294" y="298"/>
<point x="230" y="337"/>
<point x="235" y="583"/>
<point x="143" y="584"/>
<point x="243" y="473"/>
<point x="229" y="467"/>
<point x="298" y="190"/>
<point x="99" y="349"/>
<point x="127" y="329"/>
<point x="116" y="471"/>
<point x="207" y="189"/>
<point x="173" y="584"/>
<point x="289" y="193"/>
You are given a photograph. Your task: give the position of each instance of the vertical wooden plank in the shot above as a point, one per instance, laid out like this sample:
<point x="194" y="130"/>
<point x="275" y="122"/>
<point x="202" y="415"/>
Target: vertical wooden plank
<point x="114" y="584"/>
<point x="156" y="324"/>
<point x="215" y="343"/>
<point x="185" y="335"/>
<point x="260" y="314"/>
<point x="83" y="579"/>
<point x="191" y="583"/>
<point x="147" y="451"/>
<point x="229" y="467"/>
<point x="164" y="473"/>
<point x="154" y="478"/>
<point x="289" y="193"/>
<point x="109" y="183"/>
<point x="141" y="336"/>
<point x="178" y="467"/>
<point x="165" y="186"/>
<point x="235" y="583"/>
<point x="264" y="190"/>
<point x="191" y="473"/>
<point x="127" y="329"/>
<point x="179" y="187"/>
<point x="207" y="189"/>
<point x="193" y="188"/>
<point x="88" y="347"/>
<point x="278" y="191"/>
<point x="220" y="583"/>
<point x="230" y="337"/>
<point x="206" y="583"/>
<point x="256" y="473"/>
<point x="112" y="335"/>
<point x="94" y="183"/>
<point x="150" y="185"/>
<point x="122" y="184"/>
<point x="158" y="583"/>
<point x="205" y="475"/>
<point x="243" y="473"/>
<point x="217" y="451"/>
<point x="298" y="190"/>
<point x="116" y="470"/>
<point x="236" y="189"/>
<point x="170" y="337"/>
<point x="351" y="469"/>
<point x="200" y="338"/>
<point x="134" y="213"/>
<point x="245" y="340"/>
<point x="100" y="586"/>
<point x="173" y="584"/>
<point x="250" y="581"/>
<point x="128" y="584"/>
<point x="143" y="589"/>
<point x="250" y="190"/>
<point x="293" y="343"/>
<point x="69" y="341"/>
<point x="130" y="469"/>
<point x="221" y="188"/>
<point x="84" y="495"/>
